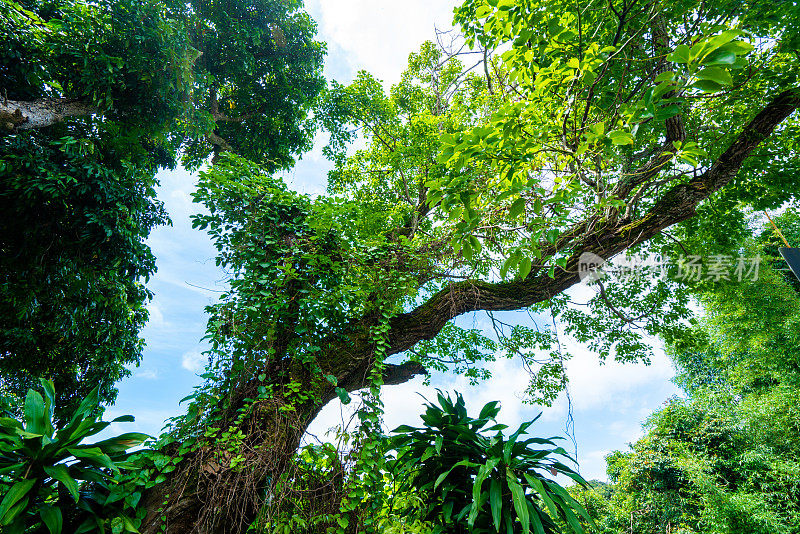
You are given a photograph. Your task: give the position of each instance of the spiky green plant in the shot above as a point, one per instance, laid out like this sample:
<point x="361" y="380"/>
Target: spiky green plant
<point x="474" y="479"/>
<point x="50" y="479"/>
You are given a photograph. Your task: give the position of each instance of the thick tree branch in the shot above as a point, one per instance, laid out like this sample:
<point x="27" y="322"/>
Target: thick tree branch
<point x="399" y="374"/>
<point x="16" y="115"/>
<point x="677" y="205"/>
<point x="219" y="144"/>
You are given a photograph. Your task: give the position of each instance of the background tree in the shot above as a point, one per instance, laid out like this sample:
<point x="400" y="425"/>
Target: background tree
<point x="723" y="459"/>
<point x="77" y="191"/>
<point x="96" y="98"/>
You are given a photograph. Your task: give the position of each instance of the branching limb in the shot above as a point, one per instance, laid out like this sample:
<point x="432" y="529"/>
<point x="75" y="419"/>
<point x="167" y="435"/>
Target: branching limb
<point x="677" y="205"/>
<point x="18" y="115"/>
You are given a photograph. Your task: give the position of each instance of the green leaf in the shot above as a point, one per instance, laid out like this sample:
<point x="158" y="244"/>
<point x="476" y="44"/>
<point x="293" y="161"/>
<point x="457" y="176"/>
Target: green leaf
<point x="539" y="487"/>
<point x="665" y="77"/>
<point x="524" y="267"/>
<point x="122" y="442"/>
<point x="517" y="208"/>
<point x="466" y="250"/>
<point x="496" y="503"/>
<point x="35" y="413"/>
<point x="88" y="525"/>
<point x="719" y="57"/>
<point x="94" y="456"/>
<point x="475" y="244"/>
<point x="344" y="397"/>
<point x="441" y="478"/>
<point x="88" y="405"/>
<point x="708" y="86"/>
<point x="124" y="419"/>
<point x="15" y="493"/>
<point x="60" y="473"/>
<point x="11" y="468"/>
<point x="715" y="74"/>
<point x="740" y="48"/>
<point x="666" y="112"/>
<point x="18" y="526"/>
<point x="679" y="55"/>
<point x="129" y="526"/>
<point x="620" y="137"/>
<point x="490" y="409"/>
<point x="509" y="264"/>
<point x="569" y="505"/>
<point x="518" y="498"/>
<point x="51" y="516"/>
<point x="8" y="422"/>
<point x="722" y="39"/>
<point x="662" y="89"/>
<point x="50" y="396"/>
<point x="477" y="488"/>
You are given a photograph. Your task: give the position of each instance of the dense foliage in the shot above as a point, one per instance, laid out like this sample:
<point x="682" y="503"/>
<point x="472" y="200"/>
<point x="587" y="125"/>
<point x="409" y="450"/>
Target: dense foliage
<point x="52" y="481"/>
<point x="471" y="481"/>
<point x="724" y="458"/>
<point x="97" y="96"/>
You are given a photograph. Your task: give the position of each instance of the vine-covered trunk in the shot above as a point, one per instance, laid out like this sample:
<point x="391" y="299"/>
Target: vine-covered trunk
<point x="223" y="485"/>
<point x="220" y="490"/>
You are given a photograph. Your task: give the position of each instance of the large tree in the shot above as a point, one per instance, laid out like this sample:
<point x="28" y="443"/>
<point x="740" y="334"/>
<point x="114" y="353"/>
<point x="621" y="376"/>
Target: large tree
<point x="580" y="128"/>
<point x="96" y="97"/>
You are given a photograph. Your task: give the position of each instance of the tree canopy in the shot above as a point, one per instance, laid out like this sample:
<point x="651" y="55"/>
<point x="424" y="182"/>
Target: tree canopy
<point x="485" y="175"/>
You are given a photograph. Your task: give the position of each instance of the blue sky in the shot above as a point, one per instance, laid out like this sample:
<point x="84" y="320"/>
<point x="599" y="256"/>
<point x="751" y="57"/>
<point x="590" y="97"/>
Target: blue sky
<point x="609" y="401"/>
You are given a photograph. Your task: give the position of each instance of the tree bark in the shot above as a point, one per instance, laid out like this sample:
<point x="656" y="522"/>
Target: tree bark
<point x="18" y="115"/>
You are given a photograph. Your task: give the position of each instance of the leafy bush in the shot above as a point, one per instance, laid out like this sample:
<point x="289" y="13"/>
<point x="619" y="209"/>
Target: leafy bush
<point x="472" y="482"/>
<point x="50" y="480"/>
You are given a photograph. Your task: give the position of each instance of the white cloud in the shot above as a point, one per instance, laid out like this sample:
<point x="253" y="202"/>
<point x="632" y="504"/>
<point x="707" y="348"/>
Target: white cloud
<point x="156" y="317"/>
<point x="610" y="385"/>
<point x="147" y="374"/>
<point x="193" y="361"/>
<point x="593" y="464"/>
<point x="378" y="35"/>
<point x="180" y="203"/>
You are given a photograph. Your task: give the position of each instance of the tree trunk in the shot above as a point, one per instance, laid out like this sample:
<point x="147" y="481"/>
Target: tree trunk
<point x="205" y="495"/>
